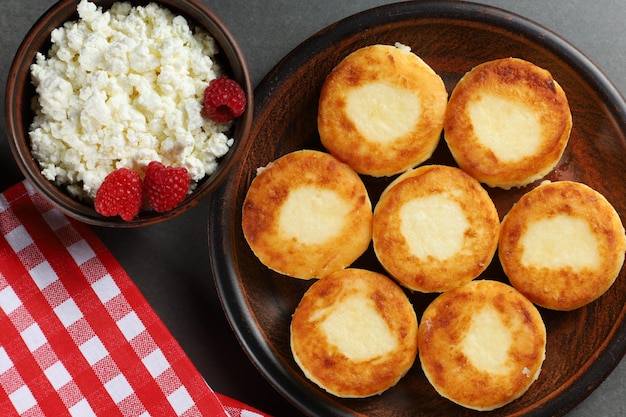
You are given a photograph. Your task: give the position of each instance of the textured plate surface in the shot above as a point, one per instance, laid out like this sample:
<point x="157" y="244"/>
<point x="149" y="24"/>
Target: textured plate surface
<point x="452" y="37"/>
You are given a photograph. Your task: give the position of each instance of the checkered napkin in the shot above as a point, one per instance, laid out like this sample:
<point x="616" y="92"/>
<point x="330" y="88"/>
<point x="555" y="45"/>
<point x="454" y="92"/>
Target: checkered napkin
<point x="77" y="338"/>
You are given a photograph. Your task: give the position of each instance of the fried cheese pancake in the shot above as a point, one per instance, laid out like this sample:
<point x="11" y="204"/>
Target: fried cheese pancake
<point x="435" y="228"/>
<point x="354" y="333"/>
<point x="482" y="345"/>
<point x="307" y="214"/>
<point x="562" y="245"/>
<point x="507" y="123"/>
<point x="381" y="110"/>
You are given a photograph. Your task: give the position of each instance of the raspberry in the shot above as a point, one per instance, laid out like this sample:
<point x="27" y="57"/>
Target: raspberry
<point x="165" y="187"/>
<point x="224" y="100"/>
<point x="120" y="193"/>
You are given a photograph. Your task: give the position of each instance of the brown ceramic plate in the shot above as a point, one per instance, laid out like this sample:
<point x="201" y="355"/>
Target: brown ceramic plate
<point x="584" y="346"/>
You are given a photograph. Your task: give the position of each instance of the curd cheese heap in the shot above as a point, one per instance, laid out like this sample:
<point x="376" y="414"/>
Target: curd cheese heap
<point x="121" y="88"/>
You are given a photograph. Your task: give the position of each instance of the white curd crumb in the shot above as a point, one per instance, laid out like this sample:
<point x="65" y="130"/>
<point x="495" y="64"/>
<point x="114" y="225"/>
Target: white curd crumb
<point x="259" y="170"/>
<point x="402" y="46"/>
<point x="122" y="88"/>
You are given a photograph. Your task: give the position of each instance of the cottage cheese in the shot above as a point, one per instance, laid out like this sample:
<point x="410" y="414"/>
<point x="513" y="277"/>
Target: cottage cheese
<point x="121" y="88"/>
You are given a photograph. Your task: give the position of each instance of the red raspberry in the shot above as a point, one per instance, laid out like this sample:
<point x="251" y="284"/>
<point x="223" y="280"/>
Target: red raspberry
<point x="165" y="187"/>
<point x="224" y="100"/>
<point x="120" y="193"/>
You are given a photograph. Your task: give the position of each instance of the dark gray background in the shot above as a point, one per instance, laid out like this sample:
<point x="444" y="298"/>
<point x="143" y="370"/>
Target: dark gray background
<point x="169" y="262"/>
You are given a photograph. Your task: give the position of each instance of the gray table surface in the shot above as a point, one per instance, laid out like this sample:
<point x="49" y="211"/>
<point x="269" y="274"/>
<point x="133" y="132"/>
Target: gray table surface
<point x="169" y="262"/>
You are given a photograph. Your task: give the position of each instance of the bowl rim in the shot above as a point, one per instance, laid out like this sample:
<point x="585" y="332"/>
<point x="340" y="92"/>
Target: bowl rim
<point x="36" y="39"/>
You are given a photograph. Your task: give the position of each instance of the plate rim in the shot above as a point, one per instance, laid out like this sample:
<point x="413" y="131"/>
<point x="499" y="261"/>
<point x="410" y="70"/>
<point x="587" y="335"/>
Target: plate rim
<point x="233" y="301"/>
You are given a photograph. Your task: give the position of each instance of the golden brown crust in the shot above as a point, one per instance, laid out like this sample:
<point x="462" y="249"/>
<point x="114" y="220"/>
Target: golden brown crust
<point x="591" y="255"/>
<point x="525" y="89"/>
<point x="462" y="225"/>
<point x="331" y="365"/>
<point x="450" y="344"/>
<point x="392" y="68"/>
<point x="335" y="239"/>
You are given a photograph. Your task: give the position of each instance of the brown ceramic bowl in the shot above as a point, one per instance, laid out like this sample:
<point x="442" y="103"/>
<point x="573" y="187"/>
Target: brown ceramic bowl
<point x="20" y="92"/>
<point x="452" y="37"/>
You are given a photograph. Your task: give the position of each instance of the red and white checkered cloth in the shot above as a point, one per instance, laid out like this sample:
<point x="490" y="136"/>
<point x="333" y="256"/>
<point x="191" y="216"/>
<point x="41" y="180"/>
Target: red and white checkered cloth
<point x="77" y="338"/>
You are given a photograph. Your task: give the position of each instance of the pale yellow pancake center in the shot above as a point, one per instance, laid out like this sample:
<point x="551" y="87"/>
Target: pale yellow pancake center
<point x="509" y="128"/>
<point x="313" y="215"/>
<point x="357" y="330"/>
<point x="559" y="242"/>
<point x="487" y="341"/>
<point x="433" y="226"/>
<point x="383" y="112"/>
